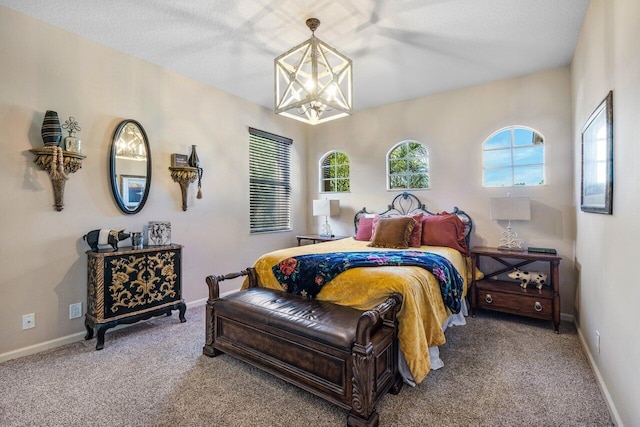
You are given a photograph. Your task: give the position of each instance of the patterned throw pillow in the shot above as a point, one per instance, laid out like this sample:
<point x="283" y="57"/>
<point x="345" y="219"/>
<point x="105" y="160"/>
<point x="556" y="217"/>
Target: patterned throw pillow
<point x="415" y="240"/>
<point x="392" y="233"/>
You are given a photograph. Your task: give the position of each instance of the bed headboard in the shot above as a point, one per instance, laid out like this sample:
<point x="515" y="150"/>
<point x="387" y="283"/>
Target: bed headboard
<point x="407" y="204"/>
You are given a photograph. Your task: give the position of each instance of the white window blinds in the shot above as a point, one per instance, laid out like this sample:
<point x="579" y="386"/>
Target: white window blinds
<point x="269" y="182"/>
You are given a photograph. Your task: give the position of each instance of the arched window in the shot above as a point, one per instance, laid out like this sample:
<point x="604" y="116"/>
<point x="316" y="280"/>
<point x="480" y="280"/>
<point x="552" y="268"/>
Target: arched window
<point x="334" y="173"/>
<point x="408" y="166"/>
<point x="513" y="156"/>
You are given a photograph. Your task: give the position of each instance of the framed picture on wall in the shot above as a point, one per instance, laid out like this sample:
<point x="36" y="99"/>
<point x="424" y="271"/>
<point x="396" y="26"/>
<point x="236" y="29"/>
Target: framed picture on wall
<point x="597" y="160"/>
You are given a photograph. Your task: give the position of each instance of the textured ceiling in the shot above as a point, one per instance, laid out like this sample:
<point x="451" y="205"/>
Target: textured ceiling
<point x="401" y="49"/>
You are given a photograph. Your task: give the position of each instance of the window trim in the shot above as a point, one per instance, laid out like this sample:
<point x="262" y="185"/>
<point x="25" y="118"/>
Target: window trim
<point x="283" y="206"/>
<point x="512" y="128"/>
<point x="320" y="169"/>
<point x="388" y="178"/>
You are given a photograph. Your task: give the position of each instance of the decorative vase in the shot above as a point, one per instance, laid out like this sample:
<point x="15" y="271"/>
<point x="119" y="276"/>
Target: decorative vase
<point x="51" y="131"/>
<point x="71" y="143"/>
<point x="194" y="160"/>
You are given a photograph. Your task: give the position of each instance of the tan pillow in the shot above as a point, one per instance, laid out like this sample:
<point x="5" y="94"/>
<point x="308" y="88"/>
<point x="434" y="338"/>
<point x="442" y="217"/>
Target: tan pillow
<point x="392" y="233"/>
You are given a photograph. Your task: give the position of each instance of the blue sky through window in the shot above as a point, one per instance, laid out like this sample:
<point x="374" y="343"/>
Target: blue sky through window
<point x="513" y="156"/>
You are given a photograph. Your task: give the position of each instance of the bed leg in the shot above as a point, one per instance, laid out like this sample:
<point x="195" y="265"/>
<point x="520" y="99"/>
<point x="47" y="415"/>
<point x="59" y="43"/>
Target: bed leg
<point x="397" y="385"/>
<point x="356" y="421"/>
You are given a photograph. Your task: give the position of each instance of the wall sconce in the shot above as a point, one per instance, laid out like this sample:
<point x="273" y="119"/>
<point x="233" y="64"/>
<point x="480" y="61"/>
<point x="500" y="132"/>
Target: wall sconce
<point x="510" y="209"/>
<point x="54" y="159"/>
<point x="326" y="208"/>
<point x="184" y="171"/>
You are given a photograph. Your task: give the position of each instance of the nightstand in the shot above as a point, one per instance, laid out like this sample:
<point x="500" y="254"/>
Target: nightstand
<point x="508" y="296"/>
<point x="315" y="238"/>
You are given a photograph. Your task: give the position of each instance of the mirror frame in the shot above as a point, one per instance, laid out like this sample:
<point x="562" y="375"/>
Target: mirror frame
<point x="112" y="168"/>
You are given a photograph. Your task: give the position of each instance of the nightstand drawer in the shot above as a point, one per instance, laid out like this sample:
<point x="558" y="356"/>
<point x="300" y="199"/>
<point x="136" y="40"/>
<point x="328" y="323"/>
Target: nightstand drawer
<point x="532" y="303"/>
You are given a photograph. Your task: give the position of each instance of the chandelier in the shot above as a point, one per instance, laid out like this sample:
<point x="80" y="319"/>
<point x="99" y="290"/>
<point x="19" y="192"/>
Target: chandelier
<point x="313" y="81"/>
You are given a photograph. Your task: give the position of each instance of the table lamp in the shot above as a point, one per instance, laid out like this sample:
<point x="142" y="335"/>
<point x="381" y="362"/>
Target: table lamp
<point x="326" y="208"/>
<point x="510" y="209"/>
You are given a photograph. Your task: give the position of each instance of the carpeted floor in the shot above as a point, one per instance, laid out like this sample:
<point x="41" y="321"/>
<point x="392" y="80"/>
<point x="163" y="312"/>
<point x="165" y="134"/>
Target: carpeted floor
<point x="499" y="370"/>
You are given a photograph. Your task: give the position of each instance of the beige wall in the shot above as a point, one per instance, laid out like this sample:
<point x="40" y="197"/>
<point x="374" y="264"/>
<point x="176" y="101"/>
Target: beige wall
<point x="453" y="126"/>
<point x="42" y="259"/>
<point x="607" y="58"/>
<point x="42" y="263"/>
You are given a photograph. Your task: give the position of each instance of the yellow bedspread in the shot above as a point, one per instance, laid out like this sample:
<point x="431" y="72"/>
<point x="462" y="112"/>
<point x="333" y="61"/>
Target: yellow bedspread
<point x="423" y="312"/>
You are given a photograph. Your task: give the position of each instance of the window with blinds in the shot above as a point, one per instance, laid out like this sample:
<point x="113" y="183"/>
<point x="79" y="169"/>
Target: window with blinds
<point x="269" y="182"/>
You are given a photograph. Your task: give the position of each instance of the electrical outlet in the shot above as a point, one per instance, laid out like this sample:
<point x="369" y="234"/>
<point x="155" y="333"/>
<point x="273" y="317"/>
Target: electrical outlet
<point x="75" y="310"/>
<point x="29" y="321"/>
<point x="598" y="342"/>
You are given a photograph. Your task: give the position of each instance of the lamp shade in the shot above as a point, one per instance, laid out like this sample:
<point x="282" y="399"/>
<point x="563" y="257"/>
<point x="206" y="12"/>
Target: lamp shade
<point x="326" y="207"/>
<point x="511" y="208"/>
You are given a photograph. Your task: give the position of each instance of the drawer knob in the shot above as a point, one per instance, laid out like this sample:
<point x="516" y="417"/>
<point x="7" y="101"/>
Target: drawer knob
<point x="488" y="298"/>
<point x="537" y="306"/>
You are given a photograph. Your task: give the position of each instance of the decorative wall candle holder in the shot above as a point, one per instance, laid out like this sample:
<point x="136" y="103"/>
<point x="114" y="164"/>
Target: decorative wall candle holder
<point x="184" y="176"/>
<point x="59" y="164"/>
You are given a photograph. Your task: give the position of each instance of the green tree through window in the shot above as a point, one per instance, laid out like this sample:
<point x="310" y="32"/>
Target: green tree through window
<point x="408" y="166"/>
<point x="334" y="173"/>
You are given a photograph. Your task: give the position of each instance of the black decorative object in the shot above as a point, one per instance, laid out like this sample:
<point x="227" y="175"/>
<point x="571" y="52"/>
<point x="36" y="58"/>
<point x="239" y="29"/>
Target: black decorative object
<point x="194" y="162"/>
<point x="51" y="131"/>
<point x="94" y="238"/>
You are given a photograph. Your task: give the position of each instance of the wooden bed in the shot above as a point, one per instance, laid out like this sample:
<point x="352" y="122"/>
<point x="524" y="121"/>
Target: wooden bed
<point x="423" y="316"/>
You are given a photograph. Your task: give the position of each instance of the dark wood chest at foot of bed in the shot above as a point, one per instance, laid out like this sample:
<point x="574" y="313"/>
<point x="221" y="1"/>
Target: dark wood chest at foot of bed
<point x="343" y="355"/>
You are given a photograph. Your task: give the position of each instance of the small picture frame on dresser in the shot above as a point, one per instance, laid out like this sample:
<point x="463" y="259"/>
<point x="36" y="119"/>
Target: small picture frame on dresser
<point x="159" y="233"/>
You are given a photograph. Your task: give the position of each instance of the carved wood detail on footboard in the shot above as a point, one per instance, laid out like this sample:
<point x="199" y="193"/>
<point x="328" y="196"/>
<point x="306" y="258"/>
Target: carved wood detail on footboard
<point x="213" y="282"/>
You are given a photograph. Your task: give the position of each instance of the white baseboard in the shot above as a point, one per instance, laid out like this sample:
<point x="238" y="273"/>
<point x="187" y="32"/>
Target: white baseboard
<point x="603" y="387"/>
<point x="37" y="348"/>
<point x="567" y="318"/>
<point x="78" y="336"/>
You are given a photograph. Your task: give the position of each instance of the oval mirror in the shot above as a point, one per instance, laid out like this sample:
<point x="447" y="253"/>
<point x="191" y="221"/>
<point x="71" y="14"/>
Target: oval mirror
<point x="130" y="165"/>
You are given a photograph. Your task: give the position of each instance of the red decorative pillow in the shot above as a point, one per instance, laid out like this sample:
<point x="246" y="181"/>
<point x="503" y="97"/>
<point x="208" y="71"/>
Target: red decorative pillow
<point x="444" y="230"/>
<point x="365" y="229"/>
